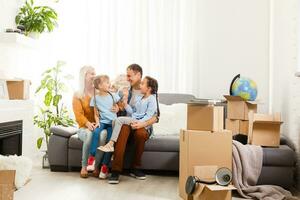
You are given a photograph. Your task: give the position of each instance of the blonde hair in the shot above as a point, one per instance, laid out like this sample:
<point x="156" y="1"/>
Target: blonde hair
<point x="99" y="79"/>
<point x="82" y="75"/>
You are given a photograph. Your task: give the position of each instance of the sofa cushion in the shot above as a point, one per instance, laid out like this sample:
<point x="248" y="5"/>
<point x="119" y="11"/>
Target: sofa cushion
<point x="75" y="142"/>
<point x="63" y="131"/>
<point x="171" y="119"/>
<point x="168" y="143"/>
<point x="282" y="156"/>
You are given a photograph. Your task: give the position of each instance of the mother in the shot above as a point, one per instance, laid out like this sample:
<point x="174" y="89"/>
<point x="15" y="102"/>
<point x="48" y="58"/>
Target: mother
<point x="84" y="115"/>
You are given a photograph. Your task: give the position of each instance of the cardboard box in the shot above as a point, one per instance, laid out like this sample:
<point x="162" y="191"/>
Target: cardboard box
<point x="264" y="130"/>
<point x="198" y="148"/>
<point x="205" y="117"/>
<point x="18" y="89"/>
<point x="238" y="108"/>
<point x="7" y="184"/>
<point x="204" y="191"/>
<point x="237" y="126"/>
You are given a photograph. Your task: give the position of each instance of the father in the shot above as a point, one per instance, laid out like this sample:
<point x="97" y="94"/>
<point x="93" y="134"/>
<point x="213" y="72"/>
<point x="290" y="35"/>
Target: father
<point x="139" y="131"/>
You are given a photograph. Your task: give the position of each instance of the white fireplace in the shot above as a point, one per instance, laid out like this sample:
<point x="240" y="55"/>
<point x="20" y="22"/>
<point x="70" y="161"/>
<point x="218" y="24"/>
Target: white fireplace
<point x="14" y="110"/>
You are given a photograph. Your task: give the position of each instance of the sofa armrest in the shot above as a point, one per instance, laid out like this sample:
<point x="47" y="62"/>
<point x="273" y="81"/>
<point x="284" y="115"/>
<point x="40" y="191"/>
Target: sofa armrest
<point x="284" y="140"/>
<point x="63" y="131"/>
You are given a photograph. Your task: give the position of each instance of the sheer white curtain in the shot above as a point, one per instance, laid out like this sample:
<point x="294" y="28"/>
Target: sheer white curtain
<point x="160" y="35"/>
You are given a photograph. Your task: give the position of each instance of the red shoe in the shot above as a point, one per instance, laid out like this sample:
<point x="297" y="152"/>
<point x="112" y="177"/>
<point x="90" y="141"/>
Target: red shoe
<point x="91" y="163"/>
<point x="104" y="172"/>
<point x="91" y="160"/>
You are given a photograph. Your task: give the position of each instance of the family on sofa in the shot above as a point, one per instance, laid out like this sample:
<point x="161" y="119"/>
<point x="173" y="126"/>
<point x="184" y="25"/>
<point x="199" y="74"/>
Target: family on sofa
<point x="129" y="112"/>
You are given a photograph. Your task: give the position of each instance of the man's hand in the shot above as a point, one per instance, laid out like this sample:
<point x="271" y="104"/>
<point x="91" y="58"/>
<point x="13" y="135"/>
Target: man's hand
<point x="138" y="125"/>
<point x="90" y="126"/>
<point x="115" y="108"/>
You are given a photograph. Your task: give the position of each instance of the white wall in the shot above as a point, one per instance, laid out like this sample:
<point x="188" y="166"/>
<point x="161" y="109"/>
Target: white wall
<point x="234" y="39"/>
<point x="286" y="87"/>
<point x="23" y="61"/>
<point x="9" y="9"/>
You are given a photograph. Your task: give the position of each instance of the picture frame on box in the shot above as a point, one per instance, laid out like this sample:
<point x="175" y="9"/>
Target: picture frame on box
<point x="3" y="90"/>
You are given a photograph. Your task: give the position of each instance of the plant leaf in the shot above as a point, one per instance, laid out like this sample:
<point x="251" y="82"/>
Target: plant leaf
<point x="39" y="142"/>
<point x="56" y="99"/>
<point x="48" y="98"/>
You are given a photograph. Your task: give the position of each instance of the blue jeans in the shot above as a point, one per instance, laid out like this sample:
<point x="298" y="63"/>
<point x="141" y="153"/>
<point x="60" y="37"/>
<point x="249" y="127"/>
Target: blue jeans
<point x="85" y="136"/>
<point x="95" y="141"/>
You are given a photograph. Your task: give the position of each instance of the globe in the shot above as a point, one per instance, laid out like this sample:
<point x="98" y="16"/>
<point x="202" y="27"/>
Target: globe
<point x="243" y="87"/>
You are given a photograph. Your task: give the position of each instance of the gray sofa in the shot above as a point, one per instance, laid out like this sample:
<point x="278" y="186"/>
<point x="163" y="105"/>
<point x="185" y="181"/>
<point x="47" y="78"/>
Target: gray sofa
<point x="162" y="153"/>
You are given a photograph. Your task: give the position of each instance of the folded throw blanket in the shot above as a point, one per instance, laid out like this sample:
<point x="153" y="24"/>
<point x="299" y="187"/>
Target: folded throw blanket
<point x="247" y="165"/>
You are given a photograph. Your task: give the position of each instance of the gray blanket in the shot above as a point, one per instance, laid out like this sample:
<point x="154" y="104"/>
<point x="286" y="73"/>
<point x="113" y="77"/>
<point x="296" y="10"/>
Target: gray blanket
<point x="247" y="165"/>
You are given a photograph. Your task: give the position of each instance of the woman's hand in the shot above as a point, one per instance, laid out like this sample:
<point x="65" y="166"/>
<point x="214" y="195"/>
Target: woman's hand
<point x="96" y="125"/>
<point x="90" y="126"/>
<point x="138" y="125"/>
<point x="115" y="108"/>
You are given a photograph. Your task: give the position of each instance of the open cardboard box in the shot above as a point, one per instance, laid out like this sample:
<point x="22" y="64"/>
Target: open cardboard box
<point x="7" y="184"/>
<point x="237" y="126"/>
<point x="264" y="129"/>
<point x="200" y="148"/>
<point x="205" y="117"/>
<point x="18" y="89"/>
<point x="238" y="108"/>
<point x="206" y="191"/>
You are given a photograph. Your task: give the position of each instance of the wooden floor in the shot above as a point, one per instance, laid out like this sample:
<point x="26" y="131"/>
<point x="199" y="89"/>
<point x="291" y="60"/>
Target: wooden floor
<point x="48" y="185"/>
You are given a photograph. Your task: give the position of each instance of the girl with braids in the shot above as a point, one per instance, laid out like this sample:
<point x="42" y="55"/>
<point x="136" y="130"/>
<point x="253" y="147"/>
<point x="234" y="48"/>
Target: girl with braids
<point x="145" y="107"/>
<point x="105" y="106"/>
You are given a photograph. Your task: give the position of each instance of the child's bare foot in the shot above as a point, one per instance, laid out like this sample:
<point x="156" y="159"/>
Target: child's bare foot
<point x="109" y="147"/>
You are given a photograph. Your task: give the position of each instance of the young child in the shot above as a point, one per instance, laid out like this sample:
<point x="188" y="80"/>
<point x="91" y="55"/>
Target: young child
<point x="145" y="107"/>
<point x="120" y="84"/>
<point x="105" y="108"/>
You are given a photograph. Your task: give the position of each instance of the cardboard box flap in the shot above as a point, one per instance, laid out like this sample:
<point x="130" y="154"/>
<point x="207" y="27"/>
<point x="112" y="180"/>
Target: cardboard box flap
<point x="238" y="98"/>
<point x="265" y="118"/>
<point x="220" y="188"/>
<point x="267" y="122"/>
<point x="7" y="177"/>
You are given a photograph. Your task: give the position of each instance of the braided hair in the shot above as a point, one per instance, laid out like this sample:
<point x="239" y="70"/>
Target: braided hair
<point x="153" y="84"/>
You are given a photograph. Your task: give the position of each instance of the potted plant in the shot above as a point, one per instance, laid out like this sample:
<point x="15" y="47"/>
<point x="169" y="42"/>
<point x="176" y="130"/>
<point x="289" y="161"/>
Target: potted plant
<point x="52" y="111"/>
<point x="36" y="19"/>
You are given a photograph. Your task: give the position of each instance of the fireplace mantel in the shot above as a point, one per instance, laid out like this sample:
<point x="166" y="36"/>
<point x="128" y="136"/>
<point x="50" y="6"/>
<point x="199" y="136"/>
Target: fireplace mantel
<point x="12" y="110"/>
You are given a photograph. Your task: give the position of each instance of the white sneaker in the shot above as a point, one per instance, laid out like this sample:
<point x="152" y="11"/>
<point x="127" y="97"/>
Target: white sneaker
<point x="106" y="148"/>
<point x="91" y="167"/>
<point x="103" y="172"/>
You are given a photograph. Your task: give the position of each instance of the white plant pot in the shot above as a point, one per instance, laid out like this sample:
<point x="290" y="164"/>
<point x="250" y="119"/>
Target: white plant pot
<point x="34" y="35"/>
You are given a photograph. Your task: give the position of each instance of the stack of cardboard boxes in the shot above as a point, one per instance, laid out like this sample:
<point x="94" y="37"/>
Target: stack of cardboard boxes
<point x="204" y="144"/>
<point x="261" y="129"/>
<point x="237" y="114"/>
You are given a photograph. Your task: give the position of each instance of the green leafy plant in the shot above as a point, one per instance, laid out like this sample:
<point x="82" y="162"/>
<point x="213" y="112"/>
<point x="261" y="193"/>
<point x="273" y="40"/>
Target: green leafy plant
<point x="52" y="112"/>
<point x="36" y="18"/>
